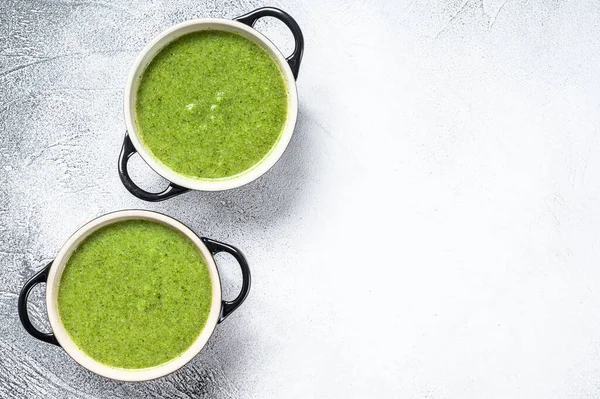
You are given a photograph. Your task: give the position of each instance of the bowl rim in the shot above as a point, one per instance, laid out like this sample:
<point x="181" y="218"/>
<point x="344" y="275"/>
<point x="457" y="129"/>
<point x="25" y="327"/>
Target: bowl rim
<point x="146" y="56"/>
<point x="81" y="357"/>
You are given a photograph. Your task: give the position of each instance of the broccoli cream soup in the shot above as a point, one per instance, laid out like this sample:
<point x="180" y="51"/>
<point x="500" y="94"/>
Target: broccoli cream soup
<point x="135" y="294"/>
<point x="211" y="105"/>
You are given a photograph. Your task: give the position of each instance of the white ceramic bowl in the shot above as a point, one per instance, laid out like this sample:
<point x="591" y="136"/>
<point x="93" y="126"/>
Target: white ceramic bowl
<point x="52" y="273"/>
<point x="242" y="26"/>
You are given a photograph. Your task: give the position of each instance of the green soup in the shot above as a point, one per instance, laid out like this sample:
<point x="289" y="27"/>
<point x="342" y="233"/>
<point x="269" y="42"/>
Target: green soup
<point x="211" y="105"/>
<point x="135" y="294"/>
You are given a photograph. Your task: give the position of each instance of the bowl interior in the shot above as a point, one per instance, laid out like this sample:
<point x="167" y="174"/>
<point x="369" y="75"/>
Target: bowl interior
<point x="146" y="56"/>
<point x="81" y="357"/>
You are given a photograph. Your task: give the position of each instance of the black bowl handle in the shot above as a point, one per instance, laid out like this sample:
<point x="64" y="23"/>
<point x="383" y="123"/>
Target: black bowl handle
<point x="229" y="306"/>
<point x="39" y="277"/>
<point x="294" y="59"/>
<point x="126" y="152"/>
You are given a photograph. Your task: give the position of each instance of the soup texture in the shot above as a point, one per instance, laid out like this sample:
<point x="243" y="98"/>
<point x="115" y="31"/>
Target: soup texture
<point x="211" y="105"/>
<point x="135" y="294"/>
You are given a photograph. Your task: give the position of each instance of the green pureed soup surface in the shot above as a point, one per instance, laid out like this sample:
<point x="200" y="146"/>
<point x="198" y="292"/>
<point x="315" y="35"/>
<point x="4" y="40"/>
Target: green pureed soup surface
<point x="135" y="294"/>
<point x="211" y="104"/>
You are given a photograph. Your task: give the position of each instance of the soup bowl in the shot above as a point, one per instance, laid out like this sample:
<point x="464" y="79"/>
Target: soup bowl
<point x="51" y="275"/>
<point x="243" y="26"/>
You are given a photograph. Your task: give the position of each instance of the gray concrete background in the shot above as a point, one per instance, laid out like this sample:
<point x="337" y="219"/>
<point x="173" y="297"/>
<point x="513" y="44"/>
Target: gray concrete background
<point x="431" y="232"/>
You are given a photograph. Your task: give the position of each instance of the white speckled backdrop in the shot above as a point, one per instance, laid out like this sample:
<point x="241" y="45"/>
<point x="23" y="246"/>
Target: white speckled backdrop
<point x="431" y="232"/>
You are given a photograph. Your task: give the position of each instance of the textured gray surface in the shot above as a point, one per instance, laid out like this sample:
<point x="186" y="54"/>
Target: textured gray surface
<point x="431" y="232"/>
